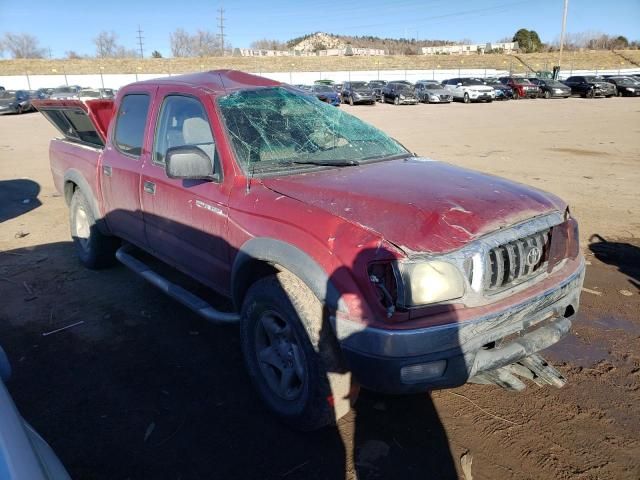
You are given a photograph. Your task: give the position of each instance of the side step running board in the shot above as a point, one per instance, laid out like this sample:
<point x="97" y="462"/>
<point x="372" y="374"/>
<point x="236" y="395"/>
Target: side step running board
<point x="176" y="292"/>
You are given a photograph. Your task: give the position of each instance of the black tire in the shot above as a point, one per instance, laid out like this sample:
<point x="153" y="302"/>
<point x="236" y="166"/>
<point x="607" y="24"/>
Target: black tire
<point x="95" y="250"/>
<point x="285" y="302"/>
<point x="547" y="94"/>
<point x="383" y="99"/>
<point x="516" y="95"/>
<point x="590" y="94"/>
<point x="466" y="98"/>
<point x="19" y="110"/>
<point x="396" y="100"/>
<point x="351" y="100"/>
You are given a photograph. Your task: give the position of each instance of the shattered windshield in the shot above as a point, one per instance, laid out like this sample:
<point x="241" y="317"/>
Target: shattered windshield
<point x="274" y="129"/>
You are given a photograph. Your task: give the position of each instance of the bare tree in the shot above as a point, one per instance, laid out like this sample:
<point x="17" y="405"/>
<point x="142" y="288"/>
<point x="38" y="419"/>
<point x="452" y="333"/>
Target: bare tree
<point x="205" y="44"/>
<point x="267" y="44"/>
<point x="180" y="43"/>
<point x="105" y="44"/>
<point x="22" y="45"/>
<point x="72" y="55"/>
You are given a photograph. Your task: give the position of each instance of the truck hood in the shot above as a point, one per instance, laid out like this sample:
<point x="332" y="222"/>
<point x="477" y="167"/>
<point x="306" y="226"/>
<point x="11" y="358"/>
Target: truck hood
<point x="418" y="204"/>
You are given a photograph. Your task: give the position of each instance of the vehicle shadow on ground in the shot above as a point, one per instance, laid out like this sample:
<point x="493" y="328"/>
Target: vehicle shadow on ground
<point x="145" y="381"/>
<point x="625" y="256"/>
<point x="18" y="197"/>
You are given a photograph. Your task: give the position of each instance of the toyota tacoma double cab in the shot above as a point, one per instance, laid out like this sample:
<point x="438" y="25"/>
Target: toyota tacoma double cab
<point x="348" y="260"/>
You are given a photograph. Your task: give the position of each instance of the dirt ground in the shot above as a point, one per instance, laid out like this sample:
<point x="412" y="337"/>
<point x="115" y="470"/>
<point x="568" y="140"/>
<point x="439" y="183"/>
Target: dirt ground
<point x="144" y="389"/>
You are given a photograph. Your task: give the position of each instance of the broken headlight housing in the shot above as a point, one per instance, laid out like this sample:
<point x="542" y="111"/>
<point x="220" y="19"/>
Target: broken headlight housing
<point x="430" y="282"/>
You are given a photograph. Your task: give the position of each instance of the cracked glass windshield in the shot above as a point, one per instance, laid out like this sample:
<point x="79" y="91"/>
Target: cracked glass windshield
<point x="273" y="129"/>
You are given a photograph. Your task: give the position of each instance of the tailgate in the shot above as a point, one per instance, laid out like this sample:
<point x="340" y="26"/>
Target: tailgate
<point x="84" y="122"/>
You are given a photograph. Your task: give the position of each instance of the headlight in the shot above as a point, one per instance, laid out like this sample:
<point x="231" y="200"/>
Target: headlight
<point x="631" y="89"/>
<point x="431" y="282"/>
<point x="401" y="97"/>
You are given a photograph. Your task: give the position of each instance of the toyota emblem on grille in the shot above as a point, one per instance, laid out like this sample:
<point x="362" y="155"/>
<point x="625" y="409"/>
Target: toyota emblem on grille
<point x="533" y="256"/>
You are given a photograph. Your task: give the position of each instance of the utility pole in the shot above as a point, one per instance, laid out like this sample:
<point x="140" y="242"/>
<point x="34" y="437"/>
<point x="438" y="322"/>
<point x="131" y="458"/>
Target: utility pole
<point x="140" y="42"/>
<point x="221" y="27"/>
<point x="562" y="32"/>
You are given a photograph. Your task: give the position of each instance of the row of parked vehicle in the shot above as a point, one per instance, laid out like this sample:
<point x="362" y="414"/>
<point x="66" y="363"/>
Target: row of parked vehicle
<point x="19" y="101"/>
<point x="472" y="89"/>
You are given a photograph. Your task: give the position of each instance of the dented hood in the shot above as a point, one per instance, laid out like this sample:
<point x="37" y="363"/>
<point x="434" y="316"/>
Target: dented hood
<point x="418" y="204"/>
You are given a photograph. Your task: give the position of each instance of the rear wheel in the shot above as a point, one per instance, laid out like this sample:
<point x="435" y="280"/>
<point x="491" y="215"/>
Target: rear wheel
<point x="288" y="353"/>
<point x="382" y="99"/>
<point x="94" y="249"/>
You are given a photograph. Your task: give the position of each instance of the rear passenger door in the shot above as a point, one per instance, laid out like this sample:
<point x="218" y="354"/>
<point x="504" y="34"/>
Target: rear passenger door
<point x="122" y="162"/>
<point x="186" y="220"/>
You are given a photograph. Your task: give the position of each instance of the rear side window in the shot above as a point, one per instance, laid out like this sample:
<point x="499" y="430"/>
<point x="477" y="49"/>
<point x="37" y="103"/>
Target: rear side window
<point x="130" y="124"/>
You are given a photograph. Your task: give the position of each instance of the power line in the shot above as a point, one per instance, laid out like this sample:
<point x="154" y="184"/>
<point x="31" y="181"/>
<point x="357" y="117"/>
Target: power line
<point x="562" y="32"/>
<point x="221" y="27"/>
<point x="140" y="42"/>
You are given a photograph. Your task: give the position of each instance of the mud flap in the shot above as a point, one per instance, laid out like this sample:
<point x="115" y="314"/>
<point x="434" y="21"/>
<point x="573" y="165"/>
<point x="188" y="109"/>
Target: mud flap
<point x="534" y="367"/>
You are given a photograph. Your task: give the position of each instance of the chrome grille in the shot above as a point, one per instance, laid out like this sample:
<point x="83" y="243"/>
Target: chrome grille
<point x="515" y="262"/>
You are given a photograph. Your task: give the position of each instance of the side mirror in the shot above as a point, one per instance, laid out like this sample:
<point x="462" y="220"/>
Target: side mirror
<point x="188" y="162"/>
<point x="458" y="84"/>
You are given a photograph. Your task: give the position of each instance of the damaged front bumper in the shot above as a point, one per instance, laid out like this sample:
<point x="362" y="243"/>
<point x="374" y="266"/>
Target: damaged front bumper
<point x="491" y="349"/>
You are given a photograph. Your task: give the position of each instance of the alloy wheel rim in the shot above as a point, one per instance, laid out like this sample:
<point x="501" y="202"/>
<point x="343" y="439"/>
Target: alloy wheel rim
<point x="280" y="358"/>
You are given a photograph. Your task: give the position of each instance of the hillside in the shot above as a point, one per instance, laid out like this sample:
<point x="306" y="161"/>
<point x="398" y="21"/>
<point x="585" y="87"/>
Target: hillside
<point x="393" y="46"/>
<point x="539" y="61"/>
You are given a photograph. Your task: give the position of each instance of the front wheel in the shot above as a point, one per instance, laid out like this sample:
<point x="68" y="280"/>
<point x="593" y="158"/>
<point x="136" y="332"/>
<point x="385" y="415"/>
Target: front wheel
<point x="396" y="101"/>
<point x="547" y="94"/>
<point x="95" y="249"/>
<point x="466" y="98"/>
<point x="285" y="346"/>
<point x="350" y="100"/>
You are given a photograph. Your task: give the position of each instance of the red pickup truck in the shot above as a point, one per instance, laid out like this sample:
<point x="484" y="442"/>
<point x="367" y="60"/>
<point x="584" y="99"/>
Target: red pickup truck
<point x="348" y="259"/>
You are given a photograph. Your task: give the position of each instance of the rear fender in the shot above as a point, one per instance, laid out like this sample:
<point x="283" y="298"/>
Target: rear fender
<point x="74" y="177"/>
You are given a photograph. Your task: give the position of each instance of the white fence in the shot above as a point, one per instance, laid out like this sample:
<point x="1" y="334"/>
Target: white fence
<point x="32" y="82"/>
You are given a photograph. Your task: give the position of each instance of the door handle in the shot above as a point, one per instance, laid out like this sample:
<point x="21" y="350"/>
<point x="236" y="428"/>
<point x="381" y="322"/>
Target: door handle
<point x="106" y="170"/>
<point x="149" y="187"/>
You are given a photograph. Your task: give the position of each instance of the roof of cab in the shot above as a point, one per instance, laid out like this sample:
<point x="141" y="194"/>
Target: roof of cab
<point x="216" y="81"/>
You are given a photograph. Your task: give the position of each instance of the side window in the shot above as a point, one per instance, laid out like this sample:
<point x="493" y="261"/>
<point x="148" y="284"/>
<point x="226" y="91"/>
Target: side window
<point x="183" y="121"/>
<point x="130" y="124"/>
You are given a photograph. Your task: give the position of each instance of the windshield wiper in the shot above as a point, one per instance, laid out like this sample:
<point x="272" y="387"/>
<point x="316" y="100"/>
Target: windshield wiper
<point x="328" y="163"/>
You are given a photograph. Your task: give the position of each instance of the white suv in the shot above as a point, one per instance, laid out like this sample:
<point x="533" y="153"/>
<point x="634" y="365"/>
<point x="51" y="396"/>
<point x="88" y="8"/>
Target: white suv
<point x="470" y="90"/>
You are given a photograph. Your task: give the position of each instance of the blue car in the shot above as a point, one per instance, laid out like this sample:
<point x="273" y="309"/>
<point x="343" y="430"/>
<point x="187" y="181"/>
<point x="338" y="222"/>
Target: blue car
<point x="326" y="94"/>
<point x="503" y="92"/>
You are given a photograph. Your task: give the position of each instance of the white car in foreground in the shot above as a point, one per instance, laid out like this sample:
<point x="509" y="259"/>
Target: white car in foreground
<point x="470" y="90"/>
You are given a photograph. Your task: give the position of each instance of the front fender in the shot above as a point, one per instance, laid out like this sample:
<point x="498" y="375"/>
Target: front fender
<point x="290" y="257"/>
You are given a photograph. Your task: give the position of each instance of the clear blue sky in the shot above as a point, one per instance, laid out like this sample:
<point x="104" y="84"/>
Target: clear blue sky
<point x="71" y="25"/>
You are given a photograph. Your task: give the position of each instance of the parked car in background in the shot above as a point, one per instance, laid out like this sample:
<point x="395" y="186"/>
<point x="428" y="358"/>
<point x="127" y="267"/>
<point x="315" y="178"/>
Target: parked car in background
<point x="337" y="87"/>
<point x="65" y="93"/>
<point x="15" y="101"/>
<point x="522" y="87"/>
<point x="469" y="90"/>
<point x="357" y="92"/>
<point x="39" y="94"/>
<point x="326" y="94"/>
<point x="549" y="88"/>
<point x="364" y="263"/>
<point x="23" y="453"/>
<point x="324" y="82"/>
<point x="399" y="93"/>
<point x="590" y="86"/>
<point x="430" y="92"/>
<point x="626" y="86"/>
<point x="107" y="93"/>
<point x="377" y="86"/>
<point x="503" y="92"/>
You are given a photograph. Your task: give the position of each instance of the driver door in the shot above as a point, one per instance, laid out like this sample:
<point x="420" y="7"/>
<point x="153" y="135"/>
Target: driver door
<point x="186" y="220"/>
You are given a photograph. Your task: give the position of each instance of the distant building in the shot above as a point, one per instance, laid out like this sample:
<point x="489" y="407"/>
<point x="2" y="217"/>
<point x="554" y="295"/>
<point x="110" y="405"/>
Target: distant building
<point x="332" y="52"/>
<point x="474" y="48"/>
